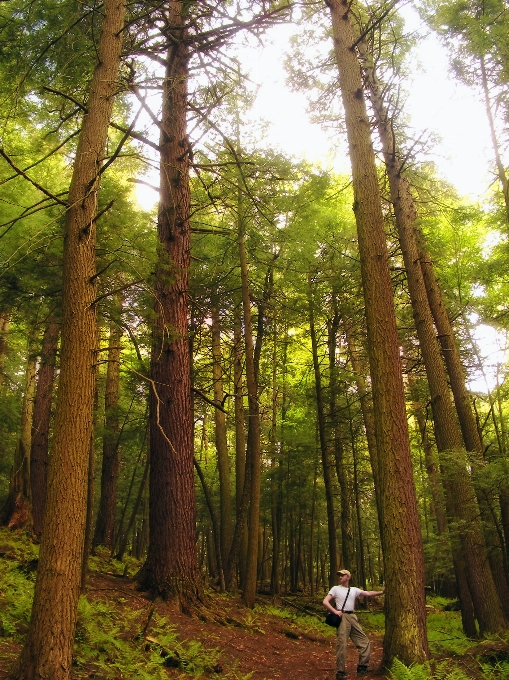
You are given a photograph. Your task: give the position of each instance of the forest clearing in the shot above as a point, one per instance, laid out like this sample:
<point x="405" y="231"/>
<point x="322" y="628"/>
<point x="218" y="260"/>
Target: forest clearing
<point x="273" y="381"/>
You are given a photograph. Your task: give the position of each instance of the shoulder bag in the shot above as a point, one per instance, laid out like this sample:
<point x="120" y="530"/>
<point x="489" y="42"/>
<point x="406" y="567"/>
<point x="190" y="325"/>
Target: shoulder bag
<point x="334" y="620"/>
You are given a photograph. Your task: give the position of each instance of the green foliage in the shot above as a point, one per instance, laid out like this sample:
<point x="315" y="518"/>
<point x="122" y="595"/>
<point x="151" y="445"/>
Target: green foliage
<point x="427" y="671"/>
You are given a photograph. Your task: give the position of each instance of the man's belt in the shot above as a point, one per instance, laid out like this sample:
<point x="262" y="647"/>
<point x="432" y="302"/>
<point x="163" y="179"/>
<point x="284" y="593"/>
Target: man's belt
<point x="348" y="611"/>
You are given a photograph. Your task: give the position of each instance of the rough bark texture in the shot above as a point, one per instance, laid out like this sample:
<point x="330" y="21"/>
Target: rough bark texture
<point x="41" y="423"/>
<point x="171" y="567"/>
<point x="405" y="635"/>
<point x="49" y="643"/>
<point x="105" y="525"/>
<point x="462" y="510"/>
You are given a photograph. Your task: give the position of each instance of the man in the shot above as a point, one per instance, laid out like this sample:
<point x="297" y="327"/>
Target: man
<point x="344" y="597"/>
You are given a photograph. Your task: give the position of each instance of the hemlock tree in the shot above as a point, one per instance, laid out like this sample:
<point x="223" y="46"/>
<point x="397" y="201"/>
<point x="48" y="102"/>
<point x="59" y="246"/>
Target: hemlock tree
<point x="405" y="635"/>
<point x="171" y="568"/>
<point x="49" y="643"/>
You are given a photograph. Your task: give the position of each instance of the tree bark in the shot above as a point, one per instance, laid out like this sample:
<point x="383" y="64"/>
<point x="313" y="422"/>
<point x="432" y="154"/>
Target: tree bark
<point x="461" y="503"/>
<point x="405" y="635"/>
<point x="41" y="423"/>
<point x="47" y="652"/>
<point x="171" y="568"/>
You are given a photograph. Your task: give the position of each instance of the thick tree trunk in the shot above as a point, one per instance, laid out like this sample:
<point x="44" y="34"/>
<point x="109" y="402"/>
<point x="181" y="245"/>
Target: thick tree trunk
<point x="105" y="526"/>
<point x="223" y="462"/>
<point x="405" y="635"/>
<point x="49" y="643"/>
<point x="326" y="462"/>
<point x="41" y="423"/>
<point x="171" y="568"/>
<point x="461" y="503"/>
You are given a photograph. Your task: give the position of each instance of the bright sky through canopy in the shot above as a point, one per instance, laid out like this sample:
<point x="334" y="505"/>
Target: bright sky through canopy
<point x="437" y="103"/>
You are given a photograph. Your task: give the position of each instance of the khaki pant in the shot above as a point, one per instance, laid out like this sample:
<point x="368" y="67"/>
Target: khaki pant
<point x="350" y="628"/>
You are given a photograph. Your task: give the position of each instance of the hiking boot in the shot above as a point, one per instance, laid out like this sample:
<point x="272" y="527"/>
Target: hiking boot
<point x="361" y="670"/>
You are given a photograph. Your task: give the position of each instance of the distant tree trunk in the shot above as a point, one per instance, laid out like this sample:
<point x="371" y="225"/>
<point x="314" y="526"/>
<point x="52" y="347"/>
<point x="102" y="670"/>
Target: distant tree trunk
<point x="48" y="648"/>
<point x="502" y="176"/>
<point x="253" y="437"/>
<point x="5" y="319"/>
<point x="240" y="439"/>
<point x="405" y="634"/>
<point x="17" y="511"/>
<point x="105" y="526"/>
<point x="360" y="371"/>
<point x="326" y="463"/>
<point x="223" y="462"/>
<point x="339" y="454"/>
<point x="130" y="525"/>
<point x="275" y="503"/>
<point x="171" y="568"/>
<point x="216" y="530"/>
<point x="41" y="423"/>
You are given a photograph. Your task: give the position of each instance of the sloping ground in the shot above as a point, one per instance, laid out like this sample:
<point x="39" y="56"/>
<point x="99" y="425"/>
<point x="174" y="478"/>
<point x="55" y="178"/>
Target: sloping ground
<point x="265" y="644"/>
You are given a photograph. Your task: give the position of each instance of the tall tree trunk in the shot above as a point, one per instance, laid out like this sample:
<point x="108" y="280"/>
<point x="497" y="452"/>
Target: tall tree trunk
<point x="326" y="463"/>
<point x="360" y="371"/>
<point x="461" y="502"/>
<point x="466" y="416"/>
<point x="223" y="462"/>
<point x="216" y="530"/>
<point x="105" y="526"/>
<point x="339" y="453"/>
<point x="47" y="652"/>
<point x="17" y="511"/>
<point x="5" y="319"/>
<point x="405" y="635"/>
<point x="502" y="175"/>
<point x="240" y="440"/>
<point x="253" y="437"/>
<point x="41" y="423"/>
<point x="171" y="566"/>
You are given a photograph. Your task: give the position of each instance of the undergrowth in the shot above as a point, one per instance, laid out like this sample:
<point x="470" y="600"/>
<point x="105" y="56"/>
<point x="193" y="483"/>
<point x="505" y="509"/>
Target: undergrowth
<point x="119" y="638"/>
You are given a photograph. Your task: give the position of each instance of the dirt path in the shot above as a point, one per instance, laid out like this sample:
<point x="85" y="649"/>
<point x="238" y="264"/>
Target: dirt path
<point x="268" y="646"/>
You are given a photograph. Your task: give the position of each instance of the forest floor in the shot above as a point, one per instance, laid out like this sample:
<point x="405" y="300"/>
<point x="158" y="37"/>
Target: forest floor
<point x="259" y="643"/>
<point x="122" y="634"/>
<point x="267" y="643"/>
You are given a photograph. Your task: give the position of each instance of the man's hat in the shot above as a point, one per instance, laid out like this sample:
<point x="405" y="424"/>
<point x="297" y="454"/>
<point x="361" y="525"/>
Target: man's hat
<point x="344" y="571"/>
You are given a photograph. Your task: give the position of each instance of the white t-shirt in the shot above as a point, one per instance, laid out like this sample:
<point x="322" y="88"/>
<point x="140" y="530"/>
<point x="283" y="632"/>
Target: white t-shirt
<point x="339" y="594"/>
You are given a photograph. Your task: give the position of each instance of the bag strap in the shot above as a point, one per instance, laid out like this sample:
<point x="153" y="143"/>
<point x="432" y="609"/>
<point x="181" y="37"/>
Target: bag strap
<point x="346" y="598"/>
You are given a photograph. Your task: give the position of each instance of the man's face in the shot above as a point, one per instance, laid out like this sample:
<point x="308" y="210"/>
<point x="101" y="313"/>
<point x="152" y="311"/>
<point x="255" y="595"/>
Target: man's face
<point x="343" y="579"/>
